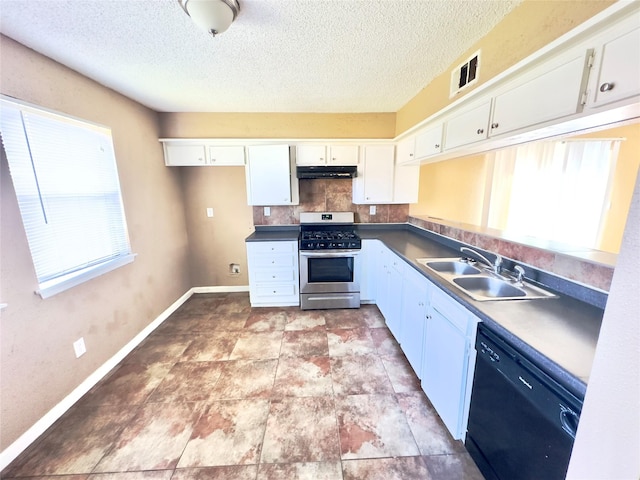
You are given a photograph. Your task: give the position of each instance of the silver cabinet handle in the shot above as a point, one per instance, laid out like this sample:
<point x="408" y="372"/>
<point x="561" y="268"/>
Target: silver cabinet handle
<point x="480" y="131"/>
<point x="605" y="87"/>
<point x="495" y="125"/>
<point x="437" y="145"/>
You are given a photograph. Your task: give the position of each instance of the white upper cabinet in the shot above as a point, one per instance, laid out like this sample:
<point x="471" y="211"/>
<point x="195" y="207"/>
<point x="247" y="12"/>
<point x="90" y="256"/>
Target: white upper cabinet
<point x="405" y="150"/>
<point x="468" y="126"/>
<point x="406" y="182"/>
<point x="269" y="177"/>
<point x="374" y="183"/>
<point x="197" y="153"/>
<point x="181" y="155"/>
<point x="429" y="141"/>
<point x="551" y="91"/>
<point x="311" y="155"/>
<point x="326" y="155"/>
<point x="617" y="65"/>
<point x="224" y="156"/>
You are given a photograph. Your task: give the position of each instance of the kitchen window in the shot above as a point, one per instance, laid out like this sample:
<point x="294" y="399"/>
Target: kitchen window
<point x="557" y="191"/>
<point x="66" y="181"/>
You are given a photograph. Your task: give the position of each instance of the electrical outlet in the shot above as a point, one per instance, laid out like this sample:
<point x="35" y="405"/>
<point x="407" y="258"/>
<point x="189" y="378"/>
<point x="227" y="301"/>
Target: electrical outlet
<point x="234" y="269"/>
<point x="79" y="347"/>
<point x="267" y="211"/>
<point x="372" y="210"/>
<point x="210" y="212"/>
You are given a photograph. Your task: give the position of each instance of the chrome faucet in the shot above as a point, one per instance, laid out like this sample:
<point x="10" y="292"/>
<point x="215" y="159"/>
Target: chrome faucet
<point x="519" y="271"/>
<point x="495" y="266"/>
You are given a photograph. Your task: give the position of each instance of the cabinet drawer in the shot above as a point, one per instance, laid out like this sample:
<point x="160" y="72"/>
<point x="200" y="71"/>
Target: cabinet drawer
<point x="275" y="275"/>
<point x="273" y="261"/>
<point x="276" y="290"/>
<point x="450" y="309"/>
<point x="260" y="248"/>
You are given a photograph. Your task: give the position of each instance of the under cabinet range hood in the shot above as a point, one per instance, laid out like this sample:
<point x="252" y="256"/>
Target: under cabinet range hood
<point x="327" y="172"/>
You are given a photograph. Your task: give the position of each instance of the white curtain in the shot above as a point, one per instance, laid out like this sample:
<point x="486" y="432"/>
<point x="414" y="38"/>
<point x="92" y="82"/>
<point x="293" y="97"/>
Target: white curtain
<point x="555" y="191"/>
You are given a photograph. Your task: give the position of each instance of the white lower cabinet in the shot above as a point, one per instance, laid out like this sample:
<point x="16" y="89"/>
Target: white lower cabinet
<point x="415" y="304"/>
<point x="435" y="332"/>
<point x="448" y="361"/>
<point x="273" y="273"/>
<point x="389" y="288"/>
<point x="368" y="271"/>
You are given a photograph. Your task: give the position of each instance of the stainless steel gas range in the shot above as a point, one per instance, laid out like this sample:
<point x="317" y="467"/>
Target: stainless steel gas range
<point x="329" y="261"/>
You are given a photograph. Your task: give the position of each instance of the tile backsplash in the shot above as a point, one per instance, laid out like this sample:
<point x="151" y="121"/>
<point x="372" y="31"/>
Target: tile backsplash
<point x="329" y="195"/>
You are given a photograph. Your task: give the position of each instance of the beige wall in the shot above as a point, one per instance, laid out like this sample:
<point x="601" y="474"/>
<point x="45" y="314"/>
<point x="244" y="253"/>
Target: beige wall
<point x="38" y="364"/>
<point x="278" y="125"/>
<point x="452" y="190"/>
<point x="529" y="27"/>
<point x="216" y="242"/>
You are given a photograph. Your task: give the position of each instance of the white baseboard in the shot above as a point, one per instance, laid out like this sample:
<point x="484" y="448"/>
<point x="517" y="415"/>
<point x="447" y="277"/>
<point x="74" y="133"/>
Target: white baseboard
<point x="229" y="289"/>
<point x="16" y="448"/>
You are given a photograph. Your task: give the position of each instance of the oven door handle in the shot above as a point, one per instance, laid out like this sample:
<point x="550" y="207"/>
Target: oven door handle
<point x="330" y="253"/>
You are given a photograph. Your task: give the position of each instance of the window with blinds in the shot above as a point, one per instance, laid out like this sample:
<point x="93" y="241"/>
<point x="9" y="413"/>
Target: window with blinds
<point x="66" y="181"/>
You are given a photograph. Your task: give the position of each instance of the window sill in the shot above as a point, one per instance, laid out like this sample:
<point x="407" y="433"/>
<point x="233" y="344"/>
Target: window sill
<point x="58" y="285"/>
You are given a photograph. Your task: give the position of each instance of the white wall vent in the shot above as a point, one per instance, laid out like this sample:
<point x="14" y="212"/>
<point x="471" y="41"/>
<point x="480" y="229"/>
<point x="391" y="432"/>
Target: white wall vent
<point x="465" y="74"/>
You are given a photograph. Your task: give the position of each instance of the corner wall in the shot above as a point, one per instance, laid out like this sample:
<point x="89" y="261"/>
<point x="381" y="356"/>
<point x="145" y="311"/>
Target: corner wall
<point x="39" y="368"/>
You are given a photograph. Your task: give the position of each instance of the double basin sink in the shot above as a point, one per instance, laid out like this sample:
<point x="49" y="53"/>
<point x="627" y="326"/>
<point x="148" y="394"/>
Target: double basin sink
<point x="480" y="283"/>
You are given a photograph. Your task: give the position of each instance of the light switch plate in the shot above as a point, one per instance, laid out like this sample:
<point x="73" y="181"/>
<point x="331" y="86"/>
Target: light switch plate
<point x="210" y="212"/>
<point x="372" y="210"/>
<point x="267" y="211"/>
<point x="79" y="347"/>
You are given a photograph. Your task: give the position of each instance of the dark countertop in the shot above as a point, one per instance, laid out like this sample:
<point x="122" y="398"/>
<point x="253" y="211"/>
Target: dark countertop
<point x="558" y="334"/>
<point x="274" y="234"/>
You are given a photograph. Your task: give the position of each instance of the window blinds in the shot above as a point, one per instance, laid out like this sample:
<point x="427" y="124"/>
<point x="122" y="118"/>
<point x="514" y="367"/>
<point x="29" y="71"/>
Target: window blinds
<point x="66" y="181"/>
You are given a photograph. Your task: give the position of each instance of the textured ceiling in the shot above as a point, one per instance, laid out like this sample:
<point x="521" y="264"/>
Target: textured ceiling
<point x="278" y="56"/>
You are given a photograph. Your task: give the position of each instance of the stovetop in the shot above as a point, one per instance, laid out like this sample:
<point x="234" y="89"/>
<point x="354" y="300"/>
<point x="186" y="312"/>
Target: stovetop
<point x="328" y="231"/>
<point x="316" y="238"/>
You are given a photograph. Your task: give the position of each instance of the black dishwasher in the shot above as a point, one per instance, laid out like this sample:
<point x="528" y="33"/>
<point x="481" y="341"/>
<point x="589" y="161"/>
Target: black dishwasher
<point x="522" y="423"/>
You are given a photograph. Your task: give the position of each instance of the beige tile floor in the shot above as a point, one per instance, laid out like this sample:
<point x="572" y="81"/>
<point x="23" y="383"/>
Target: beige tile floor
<point x="224" y="391"/>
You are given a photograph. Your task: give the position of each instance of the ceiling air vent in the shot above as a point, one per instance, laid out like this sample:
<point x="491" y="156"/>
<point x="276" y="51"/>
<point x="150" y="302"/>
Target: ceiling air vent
<point x="465" y="75"/>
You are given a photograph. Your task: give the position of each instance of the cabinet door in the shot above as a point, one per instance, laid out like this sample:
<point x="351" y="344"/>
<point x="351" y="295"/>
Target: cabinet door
<point x="311" y="155"/>
<point x="468" y="127"/>
<point x="225" y="156"/>
<point x="551" y="94"/>
<point x="444" y="371"/>
<point x="405" y="151"/>
<point x="343" y="155"/>
<point x="184" y="155"/>
<point x="269" y="175"/>
<point x="415" y="294"/>
<point x="368" y="274"/>
<point x="382" y="279"/>
<point x="429" y="141"/>
<point x="406" y="182"/>
<point x="374" y="183"/>
<point x="394" y="301"/>
<point x="618" y="66"/>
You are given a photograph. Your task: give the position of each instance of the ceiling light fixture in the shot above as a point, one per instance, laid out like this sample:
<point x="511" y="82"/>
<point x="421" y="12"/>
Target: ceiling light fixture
<point x="212" y="16"/>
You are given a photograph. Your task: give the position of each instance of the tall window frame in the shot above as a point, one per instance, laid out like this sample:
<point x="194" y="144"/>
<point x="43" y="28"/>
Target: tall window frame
<point x="65" y="176"/>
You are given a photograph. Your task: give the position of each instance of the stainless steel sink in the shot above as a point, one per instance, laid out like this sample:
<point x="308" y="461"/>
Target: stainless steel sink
<point x="489" y="287"/>
<point x="455" y="267"/>
<point x="480" y="283"/>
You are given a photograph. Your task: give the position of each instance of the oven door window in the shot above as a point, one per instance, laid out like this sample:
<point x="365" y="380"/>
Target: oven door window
<point x="330" y="270"/>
